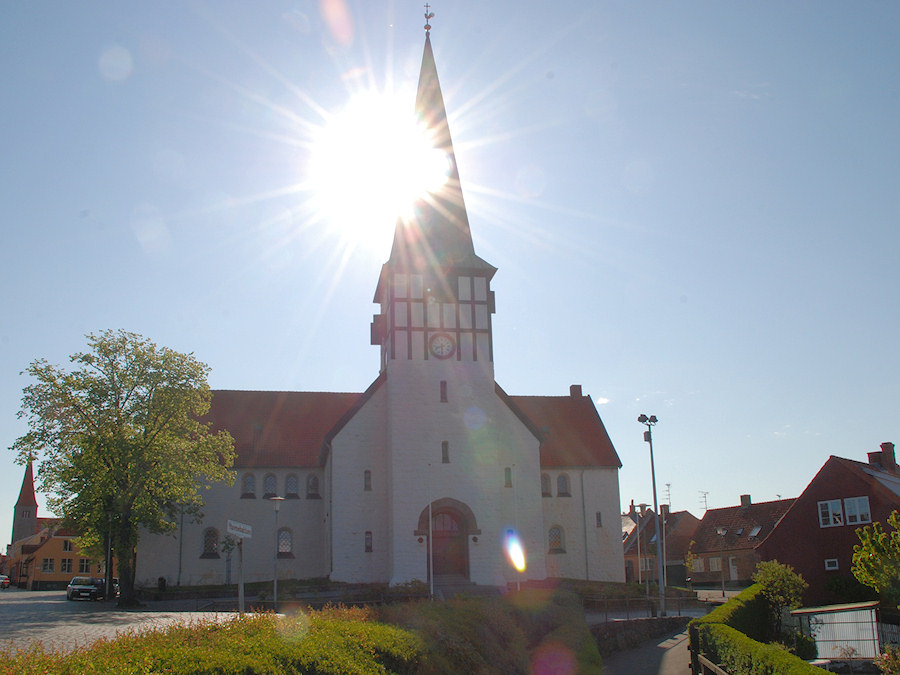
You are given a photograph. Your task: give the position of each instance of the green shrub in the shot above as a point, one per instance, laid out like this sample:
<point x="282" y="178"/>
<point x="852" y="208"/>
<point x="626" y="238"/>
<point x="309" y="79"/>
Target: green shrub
<point x="260" y="644"/>
<point x="724" y="637"/>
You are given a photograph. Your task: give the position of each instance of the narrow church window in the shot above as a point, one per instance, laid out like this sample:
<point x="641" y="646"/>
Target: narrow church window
<point x="400" y="285"/>
<point x="562" y="485"/>
<point x="545" y="485"/>
<point x="599" y="519"/>
<point x="367" y="480"/>
<point x="291" y="487"/>
<point x="557" y="540"/>
<point x="270" y="486"/>
<point x="465" y="288"/>
<point x="368" y="542"/>
<point x="507" y="477"/>
<point x="443" y="391"/>
<point x="445" y="452"/>
<point x="416" y="286"/>
<point x="248" y="486"/>
<point x="210" y="543"/>
<point x="312" y="487"/>
<point x="285" y="543"/>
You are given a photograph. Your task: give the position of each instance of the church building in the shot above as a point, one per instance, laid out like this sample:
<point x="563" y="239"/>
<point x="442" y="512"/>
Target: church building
<point x="434" y="472"/>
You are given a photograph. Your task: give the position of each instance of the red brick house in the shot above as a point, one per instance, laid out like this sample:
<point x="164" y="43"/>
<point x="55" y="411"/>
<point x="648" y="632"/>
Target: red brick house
<point x="639" y="536"/>
<point x="817" y="534"/>
<point x="726" y="543"/>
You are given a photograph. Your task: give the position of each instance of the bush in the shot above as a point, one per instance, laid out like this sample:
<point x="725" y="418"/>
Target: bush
<point x="266" y="644"/>
<point x="722" y="636"/>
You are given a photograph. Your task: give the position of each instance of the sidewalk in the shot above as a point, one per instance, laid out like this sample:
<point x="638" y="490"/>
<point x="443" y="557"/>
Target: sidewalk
<point x="666" y="655"/>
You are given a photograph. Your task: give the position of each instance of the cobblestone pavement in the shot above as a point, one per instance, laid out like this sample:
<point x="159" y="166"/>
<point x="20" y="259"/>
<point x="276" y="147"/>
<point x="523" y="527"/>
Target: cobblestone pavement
<point x="47" y="617"/>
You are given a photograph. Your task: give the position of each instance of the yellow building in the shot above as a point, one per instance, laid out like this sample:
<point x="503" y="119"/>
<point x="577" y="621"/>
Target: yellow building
<point x="43" y="555"/>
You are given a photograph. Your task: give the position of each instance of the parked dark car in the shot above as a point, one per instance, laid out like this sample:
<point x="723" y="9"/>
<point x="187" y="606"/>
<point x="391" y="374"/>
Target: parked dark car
<point x="85" y="587"/>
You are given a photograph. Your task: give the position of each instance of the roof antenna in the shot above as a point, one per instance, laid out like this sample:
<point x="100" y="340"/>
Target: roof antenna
<point x="428" y="17"/>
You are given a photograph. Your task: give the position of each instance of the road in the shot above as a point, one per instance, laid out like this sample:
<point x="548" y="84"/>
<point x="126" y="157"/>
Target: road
<point x="47" y="617"/>
<point x="667" y="655"/>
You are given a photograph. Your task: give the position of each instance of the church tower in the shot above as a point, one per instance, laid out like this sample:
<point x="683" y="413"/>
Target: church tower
<point x="25" y="515"/>
<point x="453" y="447"/>
<point x="434" y="292"/>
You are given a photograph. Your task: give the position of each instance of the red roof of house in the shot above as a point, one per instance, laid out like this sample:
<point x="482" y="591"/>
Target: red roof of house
<point x="571" y="431"/>
<point x="745" y="526"/>
<point x="278" y="428"/>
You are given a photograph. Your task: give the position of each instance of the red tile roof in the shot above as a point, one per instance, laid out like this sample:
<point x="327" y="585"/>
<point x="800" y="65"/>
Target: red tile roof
<point x="278" y="428"/>
<point x="740" y="522"/>
<point x="281" y="429"/>
<point x="572" y="432"/>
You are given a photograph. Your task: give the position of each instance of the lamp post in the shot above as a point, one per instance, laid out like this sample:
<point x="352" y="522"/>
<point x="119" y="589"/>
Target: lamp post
<point x="276" y="501"/>
<point x="648" y="436"/>
<point x="721" y="531"/>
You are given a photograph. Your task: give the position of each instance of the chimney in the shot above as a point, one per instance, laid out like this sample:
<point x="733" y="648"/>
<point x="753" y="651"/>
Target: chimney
<point x="745" y="501"/>
<point x="886" y="458"/>
<point x="575" y="391"/>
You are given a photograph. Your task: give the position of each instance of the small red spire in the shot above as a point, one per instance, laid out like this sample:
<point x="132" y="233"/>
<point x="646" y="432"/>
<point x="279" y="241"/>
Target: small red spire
<point x="26" y="494"/>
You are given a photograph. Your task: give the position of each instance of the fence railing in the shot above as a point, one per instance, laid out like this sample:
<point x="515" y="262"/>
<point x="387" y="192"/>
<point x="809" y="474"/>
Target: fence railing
<point x="615" y="609"/>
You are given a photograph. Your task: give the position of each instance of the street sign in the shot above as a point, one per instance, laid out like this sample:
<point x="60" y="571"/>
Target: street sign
<point x="240" y="530"/>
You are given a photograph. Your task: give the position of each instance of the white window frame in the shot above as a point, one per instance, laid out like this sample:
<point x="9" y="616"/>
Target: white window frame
<point x="697" y="565"/>
<point x="715" y="564"/>
<point x="857" y="511"/>
<point x="830" y="513"/>
<point x="831" y="564"/>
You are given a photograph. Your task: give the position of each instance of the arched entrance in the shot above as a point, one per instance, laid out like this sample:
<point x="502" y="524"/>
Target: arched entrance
<point x="452" y="523"/>
<point x="451" y="545"/>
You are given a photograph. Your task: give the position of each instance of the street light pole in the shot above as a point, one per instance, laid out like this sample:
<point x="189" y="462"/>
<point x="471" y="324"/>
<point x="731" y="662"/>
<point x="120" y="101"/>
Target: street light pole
<point x="648" y="436"/>
<point x="277" y="503"/>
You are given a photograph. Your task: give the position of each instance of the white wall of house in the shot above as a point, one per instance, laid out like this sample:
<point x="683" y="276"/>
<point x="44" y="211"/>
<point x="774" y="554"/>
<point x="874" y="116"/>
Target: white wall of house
<point x="588" y="551"/>
<point x="164" y="556"/>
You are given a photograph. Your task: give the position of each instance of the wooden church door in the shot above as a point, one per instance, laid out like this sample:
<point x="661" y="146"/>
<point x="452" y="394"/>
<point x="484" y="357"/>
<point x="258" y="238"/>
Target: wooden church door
<point x="450" y="549"/>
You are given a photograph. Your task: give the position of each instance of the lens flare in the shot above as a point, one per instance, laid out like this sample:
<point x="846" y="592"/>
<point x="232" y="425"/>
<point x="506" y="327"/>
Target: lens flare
<point x="514" y="550"/>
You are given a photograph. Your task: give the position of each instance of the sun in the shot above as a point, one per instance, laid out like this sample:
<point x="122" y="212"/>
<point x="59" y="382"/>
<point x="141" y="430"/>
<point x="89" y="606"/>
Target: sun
<point x="369" y="164"/>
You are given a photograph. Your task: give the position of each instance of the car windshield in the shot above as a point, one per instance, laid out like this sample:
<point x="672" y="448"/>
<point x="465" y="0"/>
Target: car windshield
<point x="81" y="581"/>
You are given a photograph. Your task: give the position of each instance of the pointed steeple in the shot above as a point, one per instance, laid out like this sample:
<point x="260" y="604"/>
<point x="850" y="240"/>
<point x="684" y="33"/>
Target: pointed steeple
<point x="25" y="514"/>
<point x="26" y="494"/>
<point x="437" y="236"/>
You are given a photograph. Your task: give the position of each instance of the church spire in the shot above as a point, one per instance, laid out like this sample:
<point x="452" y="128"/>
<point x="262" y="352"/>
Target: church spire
<point x="437" y="236"/>
<point x="25" y="515"/>
<point x="26" y="494"/>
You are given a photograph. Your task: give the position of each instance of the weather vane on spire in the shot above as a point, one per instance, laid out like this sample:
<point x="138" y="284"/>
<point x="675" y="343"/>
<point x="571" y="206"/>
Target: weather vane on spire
<point x="428" y="17"/>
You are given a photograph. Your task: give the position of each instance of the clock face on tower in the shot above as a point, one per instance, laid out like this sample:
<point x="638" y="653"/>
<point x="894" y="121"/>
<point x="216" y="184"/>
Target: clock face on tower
<point x="442" y="346"/>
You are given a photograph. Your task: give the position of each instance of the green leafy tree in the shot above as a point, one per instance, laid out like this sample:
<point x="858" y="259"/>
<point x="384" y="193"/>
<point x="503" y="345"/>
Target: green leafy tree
<point x="876" y="559"/>
<point x="782" y="588"/>
<point x="121" y="442"/>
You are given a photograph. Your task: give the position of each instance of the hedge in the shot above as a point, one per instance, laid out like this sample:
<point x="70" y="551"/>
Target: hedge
<point x="724" y="637"/>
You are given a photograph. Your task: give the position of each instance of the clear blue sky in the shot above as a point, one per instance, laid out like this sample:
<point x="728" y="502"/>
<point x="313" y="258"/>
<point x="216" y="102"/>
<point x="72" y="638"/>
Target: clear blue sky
<point x="693" y="207"/>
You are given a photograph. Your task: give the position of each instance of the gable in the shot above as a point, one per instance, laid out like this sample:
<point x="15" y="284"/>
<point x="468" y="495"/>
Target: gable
<point x="745" y="526"/>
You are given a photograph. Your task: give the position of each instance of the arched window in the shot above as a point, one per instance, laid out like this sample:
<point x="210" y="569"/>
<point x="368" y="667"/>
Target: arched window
<point x="312" y="487"/>
<point x="210" y="543"/>
<point x="545" y="485"/>
<point x="367" y="480"/>
<point x="285" y="543"/>
<point x="248" y="486"/>
<point x="291" y="486"/>
<point x="557" y="540"/>
<point x="270" y="486"/>
<point x="562" y="485"/>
